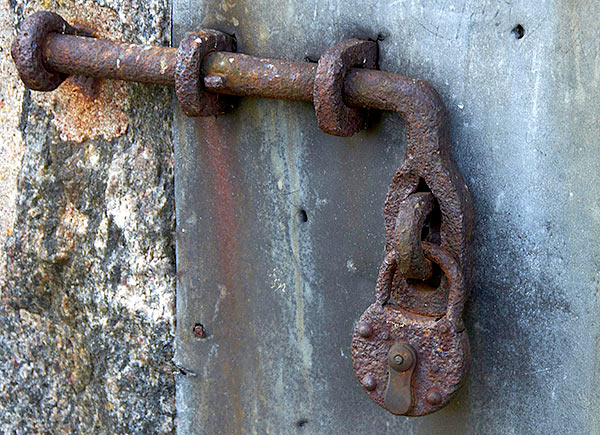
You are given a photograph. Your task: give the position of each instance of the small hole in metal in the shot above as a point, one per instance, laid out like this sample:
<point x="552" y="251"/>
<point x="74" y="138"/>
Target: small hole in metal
<point x="199" y="330"/>
<point x="302" y="216"/>
<point x="302" y="422"/>
<point x="518" y="31"/>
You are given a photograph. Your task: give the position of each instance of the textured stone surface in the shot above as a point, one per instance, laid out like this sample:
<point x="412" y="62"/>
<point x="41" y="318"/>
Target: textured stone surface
<point x="86" y="187"/>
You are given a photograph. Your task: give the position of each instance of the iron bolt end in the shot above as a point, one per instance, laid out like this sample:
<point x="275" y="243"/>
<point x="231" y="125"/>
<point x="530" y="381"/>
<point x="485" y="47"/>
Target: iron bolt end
<point x="364" y="329"/>
<point x="199" y="331"/>
<point x="400" y="357"/>
<point x="369" y="383"/>
<point x="214" y="81"/>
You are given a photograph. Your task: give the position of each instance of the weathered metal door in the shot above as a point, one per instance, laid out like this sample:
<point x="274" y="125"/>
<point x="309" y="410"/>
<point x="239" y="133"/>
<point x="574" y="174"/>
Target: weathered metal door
<point x="280" y="226"/>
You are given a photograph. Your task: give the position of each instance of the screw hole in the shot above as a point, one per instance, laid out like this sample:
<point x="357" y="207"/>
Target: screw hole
<point x="199" y="331"/>
<point x="518" y="31"/>
<point x="302" y="422"/>
<point x="302" y="216"/>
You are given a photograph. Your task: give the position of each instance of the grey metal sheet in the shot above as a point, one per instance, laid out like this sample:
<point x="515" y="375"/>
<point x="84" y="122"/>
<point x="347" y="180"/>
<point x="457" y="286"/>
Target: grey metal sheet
<point x="279" y="296"/>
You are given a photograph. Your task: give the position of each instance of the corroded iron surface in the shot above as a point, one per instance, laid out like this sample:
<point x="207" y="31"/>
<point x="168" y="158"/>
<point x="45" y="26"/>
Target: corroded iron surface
<point x="427" y="179"/>
<point x="402" y="360"/>
<point x="427" y="193"/>
<point x="441" y="346"/>
<point x="27" y="53"/>
<point x="410" y="260"/>
<point x="333" y="115"/>
<point x="100" y="58"/>
<point x="427" y="166"/>
<point x="189" y="81"/>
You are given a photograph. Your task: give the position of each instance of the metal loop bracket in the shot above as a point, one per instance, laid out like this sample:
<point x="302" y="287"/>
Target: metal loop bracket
<point x="428" y="162"/>
<point x="189" y="80"/>
<point x="205" y="72"/>
<point x="27" y="50"/>
<point x="333" y="116"/>
<point x="448" y="265"/>
<point x="407" y="236"/>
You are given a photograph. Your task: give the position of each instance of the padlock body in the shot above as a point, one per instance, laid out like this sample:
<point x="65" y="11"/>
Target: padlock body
<point x="443" y="355"/>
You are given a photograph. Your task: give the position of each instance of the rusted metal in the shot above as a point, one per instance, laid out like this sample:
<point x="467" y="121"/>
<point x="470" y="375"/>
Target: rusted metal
<point x="333" y="116"/>
<point x="441" y="345"/>
<point x="428" y="162"/>
<point x="27" y="50"/>
<point x="410" y="260"/>
<point x="189" y="83"/>
<point x="369" y="382"/>
<point x="251" y="76"/>
<point x="364" y="329"/>
<point x="100" y="58"/>
<point x="402" y="360"/>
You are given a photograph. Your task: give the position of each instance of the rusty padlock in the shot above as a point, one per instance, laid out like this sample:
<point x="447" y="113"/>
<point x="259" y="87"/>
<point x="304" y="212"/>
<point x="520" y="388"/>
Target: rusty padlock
<point x="408" y="363"/>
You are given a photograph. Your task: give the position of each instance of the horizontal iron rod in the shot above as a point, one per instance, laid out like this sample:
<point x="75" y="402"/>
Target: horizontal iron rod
<point x="100" y="58"/>
<point x="241" y="74"/>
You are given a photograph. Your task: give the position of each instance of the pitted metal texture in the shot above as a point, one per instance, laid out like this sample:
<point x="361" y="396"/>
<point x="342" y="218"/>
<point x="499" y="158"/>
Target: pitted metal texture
<point x="413" y="211"/>
<point x="428" y="209"/>
<point x="27" y="50"/>
<point x="441" y="345"/>
<point x="333" y="115"/>
<point x="189" y="80"/>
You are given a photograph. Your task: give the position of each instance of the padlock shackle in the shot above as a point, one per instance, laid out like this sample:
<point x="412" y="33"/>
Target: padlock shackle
<point x="448" y="265"/>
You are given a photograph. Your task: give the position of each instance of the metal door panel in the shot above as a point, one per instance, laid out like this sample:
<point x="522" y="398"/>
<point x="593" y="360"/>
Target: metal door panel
<point x="279" y="296"/>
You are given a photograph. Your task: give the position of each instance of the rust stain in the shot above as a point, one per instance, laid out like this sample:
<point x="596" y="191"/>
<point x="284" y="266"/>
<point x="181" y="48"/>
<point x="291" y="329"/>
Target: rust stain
<point x="79" y="117"/>
<point x="422" y="294"/>
<point x="227" y="226"/>
<point x="85" y="108"/>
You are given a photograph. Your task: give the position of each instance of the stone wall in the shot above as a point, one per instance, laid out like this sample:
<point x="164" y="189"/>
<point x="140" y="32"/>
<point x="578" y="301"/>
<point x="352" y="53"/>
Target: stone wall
<point x="86" y="215"/>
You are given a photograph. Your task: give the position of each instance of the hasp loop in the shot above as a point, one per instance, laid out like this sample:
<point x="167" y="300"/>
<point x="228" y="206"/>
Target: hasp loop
<point x="189" y="79"/>
<point x="333" y="116"/>
<point x="427" y="273"/>
<point x="27" y="50"/>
